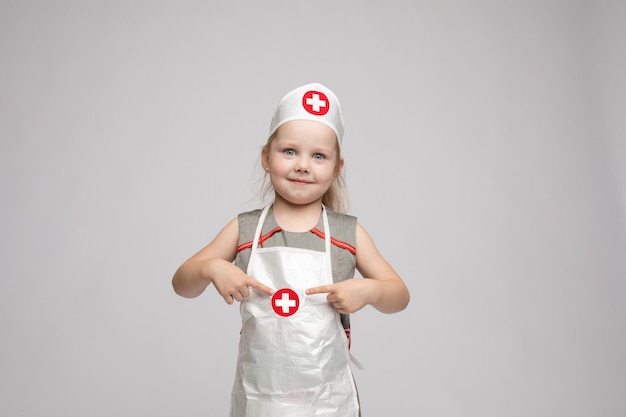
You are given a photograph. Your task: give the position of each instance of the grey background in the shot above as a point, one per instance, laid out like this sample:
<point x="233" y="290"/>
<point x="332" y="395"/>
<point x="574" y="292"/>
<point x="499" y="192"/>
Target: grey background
<point x="485" y="153"/>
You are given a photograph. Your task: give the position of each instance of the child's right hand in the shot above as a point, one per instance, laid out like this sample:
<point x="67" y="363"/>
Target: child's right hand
<point x="232" y="283"/>
<point x="213" y="264"/>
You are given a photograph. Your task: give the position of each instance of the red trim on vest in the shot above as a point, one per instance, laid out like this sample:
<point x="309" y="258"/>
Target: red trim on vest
<point x="338" y="243"/>
<point x="262" y="239"/>
<point x="315" y="231"/>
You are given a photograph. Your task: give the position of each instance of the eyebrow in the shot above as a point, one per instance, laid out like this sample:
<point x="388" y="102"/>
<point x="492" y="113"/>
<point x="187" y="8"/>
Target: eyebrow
<point x="292" y="143"/>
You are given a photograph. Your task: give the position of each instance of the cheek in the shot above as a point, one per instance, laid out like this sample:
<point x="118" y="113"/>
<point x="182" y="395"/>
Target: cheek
<point x="279" y="165"/>
<point x="329" y="174"/>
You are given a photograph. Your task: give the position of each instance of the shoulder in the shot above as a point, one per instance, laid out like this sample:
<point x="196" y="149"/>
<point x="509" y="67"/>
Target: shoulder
<point x="252" y="213"/>
<point x="249" y="218"/>
<point x="340" y="218"/>
<point x="343" y="227"/>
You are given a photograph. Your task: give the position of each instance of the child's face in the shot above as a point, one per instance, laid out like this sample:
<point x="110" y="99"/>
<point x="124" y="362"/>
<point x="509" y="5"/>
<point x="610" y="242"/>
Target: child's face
<point x="302" y="161"/>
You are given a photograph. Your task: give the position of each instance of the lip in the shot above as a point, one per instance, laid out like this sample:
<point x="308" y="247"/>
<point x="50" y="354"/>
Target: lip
<point x="299" y="181"/>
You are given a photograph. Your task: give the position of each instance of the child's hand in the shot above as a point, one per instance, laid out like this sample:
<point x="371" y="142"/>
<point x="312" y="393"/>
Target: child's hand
<point x="347" y="296"/>
<point x="234" y="285"/>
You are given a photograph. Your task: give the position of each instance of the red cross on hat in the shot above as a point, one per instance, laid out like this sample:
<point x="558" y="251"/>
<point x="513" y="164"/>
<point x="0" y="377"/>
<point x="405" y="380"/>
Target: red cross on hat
<point x="285" y="302"/>
<point x="315" y="102"/>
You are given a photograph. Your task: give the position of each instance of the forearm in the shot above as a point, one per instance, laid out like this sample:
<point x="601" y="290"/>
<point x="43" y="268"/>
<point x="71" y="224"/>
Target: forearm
<point x="199" y="271"/>
<point x="388" y="296"/>
<point x="192" y="278"/>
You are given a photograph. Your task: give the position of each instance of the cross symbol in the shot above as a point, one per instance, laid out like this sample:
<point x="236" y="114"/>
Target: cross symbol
<point x="285" y="302"/>
<point x="315" y="102"/>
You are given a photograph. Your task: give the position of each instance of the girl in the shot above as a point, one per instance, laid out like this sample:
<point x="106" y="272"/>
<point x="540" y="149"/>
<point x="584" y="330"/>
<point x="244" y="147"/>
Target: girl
<point x="290" y="264"/>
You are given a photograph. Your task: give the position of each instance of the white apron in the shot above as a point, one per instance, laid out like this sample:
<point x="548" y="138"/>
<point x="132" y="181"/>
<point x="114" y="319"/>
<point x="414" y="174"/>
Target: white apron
<point x="293" y="351"/>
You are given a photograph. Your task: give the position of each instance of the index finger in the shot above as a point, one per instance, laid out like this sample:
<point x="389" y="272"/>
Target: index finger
<point x="262" y="287"/>
<point x="322" y="289"/>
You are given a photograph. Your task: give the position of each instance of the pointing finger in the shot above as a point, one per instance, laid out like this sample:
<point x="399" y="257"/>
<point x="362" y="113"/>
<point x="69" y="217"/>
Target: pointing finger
<point x="320" y="290"/>
<point x="262" y="287"/>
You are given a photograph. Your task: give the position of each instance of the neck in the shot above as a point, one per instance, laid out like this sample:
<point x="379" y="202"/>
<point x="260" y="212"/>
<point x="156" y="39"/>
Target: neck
<point x="296" y="217"/>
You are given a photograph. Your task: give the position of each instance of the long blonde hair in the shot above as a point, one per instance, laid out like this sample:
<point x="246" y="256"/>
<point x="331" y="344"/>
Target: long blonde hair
<point x="335" y="198"/>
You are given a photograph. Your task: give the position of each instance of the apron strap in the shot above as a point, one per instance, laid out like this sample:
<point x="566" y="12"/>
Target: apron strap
<point x="326" y="231"/>
<point x="259" y="231"/>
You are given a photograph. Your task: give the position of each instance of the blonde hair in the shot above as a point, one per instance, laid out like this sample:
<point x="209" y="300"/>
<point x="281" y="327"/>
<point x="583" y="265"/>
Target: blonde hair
<point x="335" y="198"/>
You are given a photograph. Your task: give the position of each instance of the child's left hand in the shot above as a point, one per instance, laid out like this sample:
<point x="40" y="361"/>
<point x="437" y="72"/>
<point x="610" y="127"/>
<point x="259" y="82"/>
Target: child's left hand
<point x="347" y="296"/>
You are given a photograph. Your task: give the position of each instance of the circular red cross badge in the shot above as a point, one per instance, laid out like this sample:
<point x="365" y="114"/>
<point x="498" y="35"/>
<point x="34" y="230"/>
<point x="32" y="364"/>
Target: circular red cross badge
<point x="315" y="102"/>
<point x="285" y="302"/>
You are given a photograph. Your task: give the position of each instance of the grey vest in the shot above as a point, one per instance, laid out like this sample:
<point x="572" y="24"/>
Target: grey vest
<point x="343" y="239"/>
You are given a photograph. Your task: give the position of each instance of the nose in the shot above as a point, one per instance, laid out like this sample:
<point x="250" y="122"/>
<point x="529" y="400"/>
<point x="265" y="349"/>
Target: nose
<point x="302" y="164"/>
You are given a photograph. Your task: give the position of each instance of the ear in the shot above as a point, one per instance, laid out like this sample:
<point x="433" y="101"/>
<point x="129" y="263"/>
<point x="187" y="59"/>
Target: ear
<point x="265" y="158"/>
<point x="338" y="167"/>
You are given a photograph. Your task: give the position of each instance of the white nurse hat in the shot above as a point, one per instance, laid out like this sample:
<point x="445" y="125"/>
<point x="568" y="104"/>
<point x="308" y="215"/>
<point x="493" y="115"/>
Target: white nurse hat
<point x="310" y="102"/>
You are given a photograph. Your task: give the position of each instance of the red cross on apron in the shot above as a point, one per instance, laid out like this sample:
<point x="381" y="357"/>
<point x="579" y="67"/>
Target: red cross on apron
<point x="285" y="302"/>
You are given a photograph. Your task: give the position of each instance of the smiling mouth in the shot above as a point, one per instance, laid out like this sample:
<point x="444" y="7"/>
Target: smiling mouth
<point x="299" y="181"/>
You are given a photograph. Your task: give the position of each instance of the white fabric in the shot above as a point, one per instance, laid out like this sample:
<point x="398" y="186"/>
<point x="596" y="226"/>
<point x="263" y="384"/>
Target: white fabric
<point x="310" y="102"/>
<point x="294" y="366"/>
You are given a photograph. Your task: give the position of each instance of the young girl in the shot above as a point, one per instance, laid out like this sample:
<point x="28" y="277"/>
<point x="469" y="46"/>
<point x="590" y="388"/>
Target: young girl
<point x="290" y="266"/>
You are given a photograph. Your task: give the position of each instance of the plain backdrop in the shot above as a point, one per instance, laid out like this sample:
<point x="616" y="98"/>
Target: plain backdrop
<point x="485" y="153"/>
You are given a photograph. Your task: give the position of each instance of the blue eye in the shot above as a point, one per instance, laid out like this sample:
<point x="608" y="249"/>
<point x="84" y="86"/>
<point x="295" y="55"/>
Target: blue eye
<point x="289" y="152"/>
<point x="319" y="156"/>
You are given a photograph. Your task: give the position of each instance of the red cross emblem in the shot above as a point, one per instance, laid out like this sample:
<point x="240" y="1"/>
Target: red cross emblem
<point x="285" y="302"/>
<point x="315" y="102"/>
